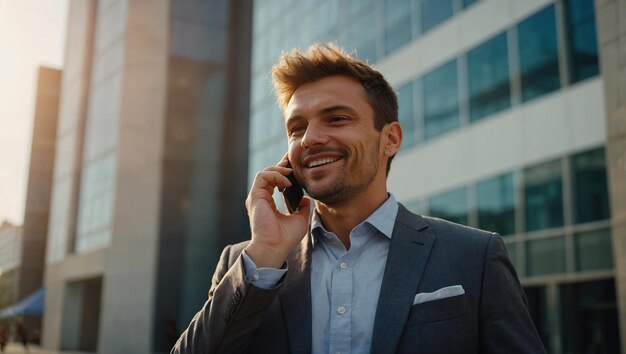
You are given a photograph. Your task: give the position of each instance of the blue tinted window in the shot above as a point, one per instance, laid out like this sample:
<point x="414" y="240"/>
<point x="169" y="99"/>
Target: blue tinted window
<point x="406" y="115"/>
<point x="417" y="206"/>
<point x="594" y="250"/>
<point x="546" y="256"/>
<point x="539" y="62"/>
<point x="398" y="24"/>
<point x="583" y="45"/>
<point x="543" y="191"/>
<point x="441" y="100"/>
<point x="451" y="206"/>
<point x="488" y="77"/>
<point x="363" y="37"/>
<point x="495" y="199"/>
<point x="467" y="3"/>
<point x="589" y="180"/>
<point x="434" y="12"/>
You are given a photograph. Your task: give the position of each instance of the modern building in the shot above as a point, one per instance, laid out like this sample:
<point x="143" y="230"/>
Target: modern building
<point x="39" y="187"/>
<point x="10" y="249"/>
<point x="514" y="121"/>
<point x="149" y="174"/>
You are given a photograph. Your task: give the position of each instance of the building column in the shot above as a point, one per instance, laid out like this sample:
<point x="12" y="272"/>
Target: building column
<point x="611" y="22"/>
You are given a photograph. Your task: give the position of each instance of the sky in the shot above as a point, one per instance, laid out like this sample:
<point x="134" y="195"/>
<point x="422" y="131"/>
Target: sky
<point x="32" y="34"/>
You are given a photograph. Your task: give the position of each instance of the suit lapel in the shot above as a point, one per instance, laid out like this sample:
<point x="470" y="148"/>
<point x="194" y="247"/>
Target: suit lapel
<point x="296" y="305"/>
<point x="409" y="250"/>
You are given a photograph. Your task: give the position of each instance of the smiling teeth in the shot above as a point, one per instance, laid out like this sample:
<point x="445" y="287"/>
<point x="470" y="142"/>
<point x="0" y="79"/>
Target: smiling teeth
<point x="322" y="162"/>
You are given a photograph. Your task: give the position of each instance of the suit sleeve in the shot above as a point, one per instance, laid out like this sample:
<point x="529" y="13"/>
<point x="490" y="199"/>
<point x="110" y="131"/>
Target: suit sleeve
<point x="230" y="317"/>
<point x="506" y="326"/>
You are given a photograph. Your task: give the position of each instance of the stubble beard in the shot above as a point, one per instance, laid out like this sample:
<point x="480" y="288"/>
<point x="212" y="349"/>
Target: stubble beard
<point x="341" y="191"/>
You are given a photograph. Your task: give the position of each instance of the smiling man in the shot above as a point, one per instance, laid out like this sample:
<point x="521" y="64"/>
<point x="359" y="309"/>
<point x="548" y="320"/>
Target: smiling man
<point x="359" y="273"/>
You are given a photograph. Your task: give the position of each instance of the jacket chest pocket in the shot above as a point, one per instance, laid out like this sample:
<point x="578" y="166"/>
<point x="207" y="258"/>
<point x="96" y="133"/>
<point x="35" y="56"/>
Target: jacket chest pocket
<point x="438" y="310"/>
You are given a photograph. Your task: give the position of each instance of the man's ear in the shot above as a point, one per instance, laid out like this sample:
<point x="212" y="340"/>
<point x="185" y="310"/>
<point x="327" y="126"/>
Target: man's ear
<point x="392" y="138"/>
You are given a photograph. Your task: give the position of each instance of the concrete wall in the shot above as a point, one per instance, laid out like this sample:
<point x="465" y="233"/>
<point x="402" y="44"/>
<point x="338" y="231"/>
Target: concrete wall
<point x="128" y="290"/>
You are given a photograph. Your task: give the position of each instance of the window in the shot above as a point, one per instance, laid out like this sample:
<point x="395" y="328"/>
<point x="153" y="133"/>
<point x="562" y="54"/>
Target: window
<point x="543" y="193"/>
<point x="539" y="62"/>
<point x="435" y="12"/>
<point x="594" y="250"/>
<point x="441" y="100"/>
<point x="488" y="78"/>
<point x="495" y="200"/>
<point x="583" y="45"/>
<point x="467" y="3"/>
<point x="363" y="36"/>
<point x="406" y="116"/>
<point x="451" y="206"/>
<point x="589" y="317"/>
<point x="398" y="24"/>
<point x="589" y="182"/>
<point x="417" y="206"/>
<point x="546" y="256"/>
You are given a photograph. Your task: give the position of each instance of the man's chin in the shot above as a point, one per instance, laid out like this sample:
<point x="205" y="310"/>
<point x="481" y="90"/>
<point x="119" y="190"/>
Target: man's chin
<point x="326" y="194"/>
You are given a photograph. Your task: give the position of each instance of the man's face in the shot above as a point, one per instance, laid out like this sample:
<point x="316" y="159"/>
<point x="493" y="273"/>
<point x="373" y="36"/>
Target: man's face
<point x="334" y="149"/>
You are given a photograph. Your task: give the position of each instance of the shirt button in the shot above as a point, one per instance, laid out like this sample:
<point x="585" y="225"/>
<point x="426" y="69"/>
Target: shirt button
<point x="343" y="265"/>
<point x="341" y="310"/>
<point x="255" y="276"/>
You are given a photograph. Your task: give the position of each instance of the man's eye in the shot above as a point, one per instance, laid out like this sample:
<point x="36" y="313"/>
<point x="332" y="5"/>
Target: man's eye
<point x="296" y="130"/>
<point x="336" y="119"/>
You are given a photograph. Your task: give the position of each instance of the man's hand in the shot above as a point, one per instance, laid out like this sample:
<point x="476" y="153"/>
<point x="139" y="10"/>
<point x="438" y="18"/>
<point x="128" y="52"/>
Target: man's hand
<point x="274" y="234"/>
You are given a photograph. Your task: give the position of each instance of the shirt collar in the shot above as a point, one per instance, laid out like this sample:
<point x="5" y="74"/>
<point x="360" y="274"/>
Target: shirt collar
<point x="383" y="219"/>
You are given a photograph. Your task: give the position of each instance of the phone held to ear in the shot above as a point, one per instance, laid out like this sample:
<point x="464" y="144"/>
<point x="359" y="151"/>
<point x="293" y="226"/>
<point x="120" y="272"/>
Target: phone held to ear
<point x="293" y="194"/>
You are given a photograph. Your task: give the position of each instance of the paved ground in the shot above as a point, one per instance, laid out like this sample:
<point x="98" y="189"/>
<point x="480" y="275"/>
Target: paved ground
<point x="15" y="348"/>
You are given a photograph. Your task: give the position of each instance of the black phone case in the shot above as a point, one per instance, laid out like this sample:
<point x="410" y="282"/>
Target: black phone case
<point x="293" y="195"/>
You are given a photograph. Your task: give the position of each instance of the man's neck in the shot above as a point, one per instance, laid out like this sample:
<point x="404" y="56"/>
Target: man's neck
<point x="341" y="218"/>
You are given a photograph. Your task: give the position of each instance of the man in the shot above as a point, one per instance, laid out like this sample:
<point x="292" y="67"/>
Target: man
<point x="362" y="274"/>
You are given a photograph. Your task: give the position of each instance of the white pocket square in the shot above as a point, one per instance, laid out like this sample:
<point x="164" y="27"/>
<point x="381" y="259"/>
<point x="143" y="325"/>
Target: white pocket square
<point x="442" y="293"/>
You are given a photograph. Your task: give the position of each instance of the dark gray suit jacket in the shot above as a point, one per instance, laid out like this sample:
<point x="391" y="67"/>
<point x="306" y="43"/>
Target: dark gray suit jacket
<point x="426" y="254"/>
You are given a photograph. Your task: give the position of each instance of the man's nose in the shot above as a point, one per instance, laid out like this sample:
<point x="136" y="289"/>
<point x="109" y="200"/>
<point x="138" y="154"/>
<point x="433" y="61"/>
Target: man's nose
<point x="314" y="135"/>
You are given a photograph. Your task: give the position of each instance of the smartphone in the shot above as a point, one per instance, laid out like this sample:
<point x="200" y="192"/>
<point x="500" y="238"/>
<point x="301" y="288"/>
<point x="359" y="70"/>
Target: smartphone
<point x="292" y="195"/>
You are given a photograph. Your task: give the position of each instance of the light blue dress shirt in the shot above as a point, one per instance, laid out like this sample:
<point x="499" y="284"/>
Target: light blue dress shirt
<point x="345" y="284"/>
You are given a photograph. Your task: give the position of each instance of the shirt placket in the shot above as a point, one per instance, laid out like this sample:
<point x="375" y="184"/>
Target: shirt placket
<point x="341" y="306"/>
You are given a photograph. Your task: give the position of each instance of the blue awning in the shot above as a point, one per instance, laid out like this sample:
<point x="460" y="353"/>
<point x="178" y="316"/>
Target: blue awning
<point x="32" y="305"/>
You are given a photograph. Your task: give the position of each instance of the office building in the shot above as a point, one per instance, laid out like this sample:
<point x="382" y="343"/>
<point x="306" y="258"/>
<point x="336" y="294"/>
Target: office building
<point x="149" y="173"/>
<point x="10" y="248"/>
<point x="513" y="118"/>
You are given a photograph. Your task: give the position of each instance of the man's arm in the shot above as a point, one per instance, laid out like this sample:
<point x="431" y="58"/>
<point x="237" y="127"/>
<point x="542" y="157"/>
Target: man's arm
<point x="234" y="310"/>
<point x="231" y="315"/>
<point x="506" y="326"/>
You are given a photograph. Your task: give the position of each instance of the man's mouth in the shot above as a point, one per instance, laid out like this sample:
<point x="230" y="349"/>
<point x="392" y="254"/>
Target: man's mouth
<point x="322" y="161"/>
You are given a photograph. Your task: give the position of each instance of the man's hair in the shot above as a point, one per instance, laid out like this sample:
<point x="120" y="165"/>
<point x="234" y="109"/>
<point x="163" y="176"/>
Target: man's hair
<point x="319" y="61"/>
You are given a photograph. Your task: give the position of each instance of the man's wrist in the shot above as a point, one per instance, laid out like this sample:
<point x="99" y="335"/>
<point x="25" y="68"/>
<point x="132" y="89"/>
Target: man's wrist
<point x="265" y="256"/>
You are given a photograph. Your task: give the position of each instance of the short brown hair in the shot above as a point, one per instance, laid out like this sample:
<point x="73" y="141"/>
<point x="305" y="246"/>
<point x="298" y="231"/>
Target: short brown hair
<point x="319" y="61"/>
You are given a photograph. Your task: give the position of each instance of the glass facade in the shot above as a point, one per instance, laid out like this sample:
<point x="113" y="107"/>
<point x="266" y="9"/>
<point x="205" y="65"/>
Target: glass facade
<point x="582" y="40"/>
<point x="590" y="186"/>
<point x="487" y="75"/>
<point x="450" y="205"/>
<point x="588" y="317"/>
<point x="398" y="26"/>
<point x="488" y="78"/>
<point x="538" y="49"/>
<point x="543" y="193"/>
<point x="405" y="115"/>
<point x="434" y="12"/>
<point x="592" y="248"/>
<point x="495" y="201"/>
<point x="546" y="256"/>
<point x="553" y="241"/>
<point x="441" y="100"/>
